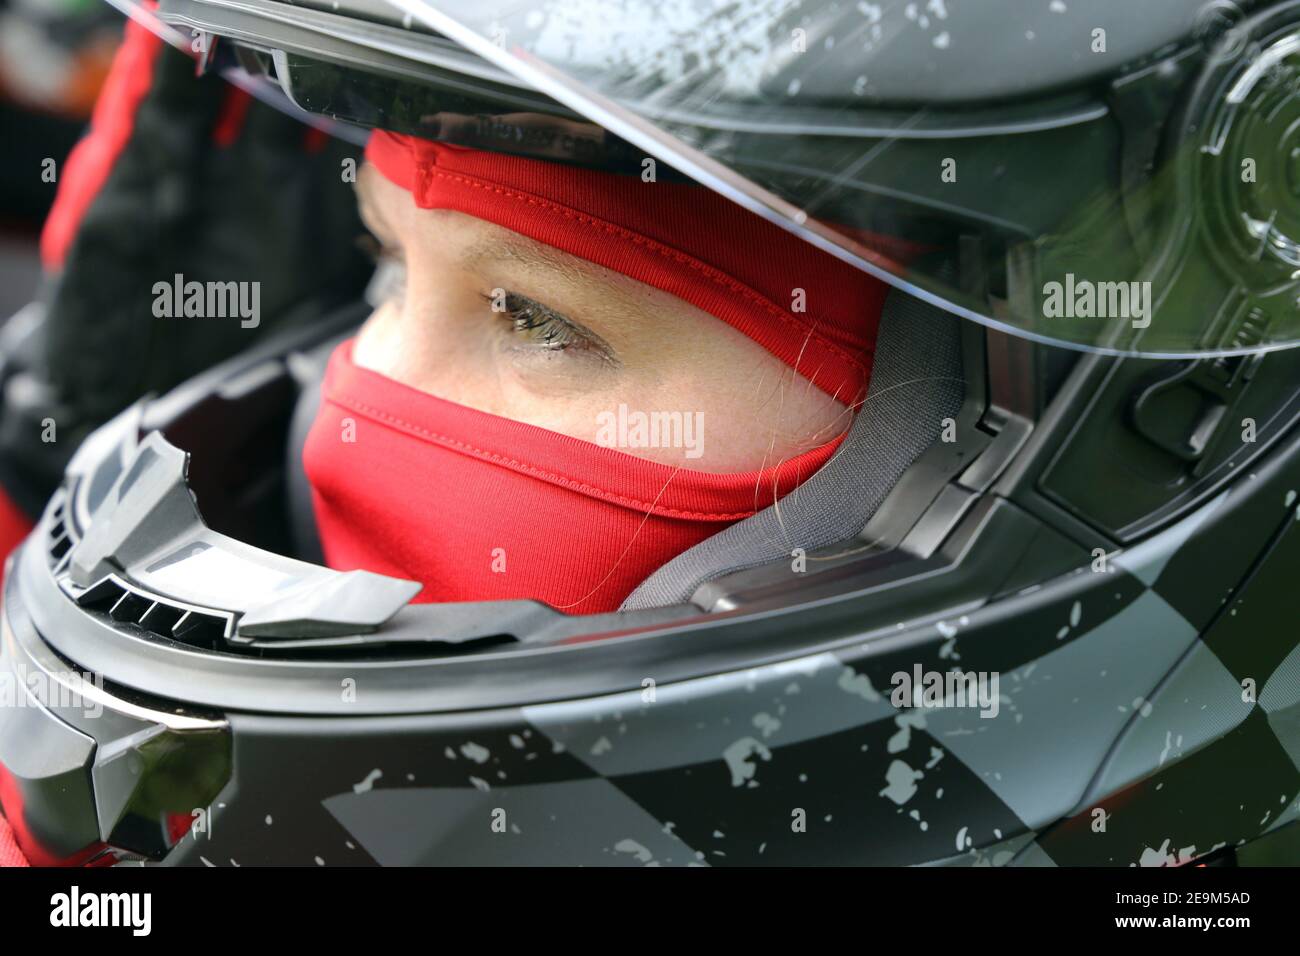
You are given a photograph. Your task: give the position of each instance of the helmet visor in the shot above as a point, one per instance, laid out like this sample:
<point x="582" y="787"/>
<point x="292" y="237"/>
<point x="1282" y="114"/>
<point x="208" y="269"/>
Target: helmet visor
<point x="1132" y="190"/>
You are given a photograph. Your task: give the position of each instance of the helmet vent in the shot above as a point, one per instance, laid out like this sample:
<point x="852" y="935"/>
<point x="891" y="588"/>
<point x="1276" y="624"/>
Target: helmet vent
<point x="60" y="540"/>
<point x="123" y="603"/>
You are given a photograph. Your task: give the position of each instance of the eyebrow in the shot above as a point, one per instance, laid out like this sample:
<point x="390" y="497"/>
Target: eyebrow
<point x="616" y="304"/>
<point x="535" y="256"/>
<point x="530" y="255"/>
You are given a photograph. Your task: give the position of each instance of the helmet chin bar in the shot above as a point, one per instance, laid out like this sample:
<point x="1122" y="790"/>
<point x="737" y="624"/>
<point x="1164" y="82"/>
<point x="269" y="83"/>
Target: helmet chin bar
<point x="148" y="527"/>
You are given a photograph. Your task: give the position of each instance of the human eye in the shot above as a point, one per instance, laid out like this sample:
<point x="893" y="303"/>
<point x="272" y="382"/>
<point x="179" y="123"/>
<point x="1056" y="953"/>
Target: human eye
<point x="532" y="325"/>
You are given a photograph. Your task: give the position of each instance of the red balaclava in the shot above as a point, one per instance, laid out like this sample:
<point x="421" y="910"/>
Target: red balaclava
<point x="479" y="507"/>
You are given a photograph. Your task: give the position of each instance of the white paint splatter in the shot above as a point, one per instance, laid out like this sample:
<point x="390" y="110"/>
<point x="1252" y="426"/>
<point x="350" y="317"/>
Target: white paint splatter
<point x="902" y="738"/>
<point x="900" y="782"/>
<point x="738" y="759"/>
<point x="766" y="724"/>
<point x="642" y="854"/>
<point x="859" y="684"/>
<point x="669" y="41"/>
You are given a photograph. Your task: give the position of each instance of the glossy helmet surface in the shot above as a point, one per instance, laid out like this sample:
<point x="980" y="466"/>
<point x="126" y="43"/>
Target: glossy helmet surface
<point x="1101" y="542"/>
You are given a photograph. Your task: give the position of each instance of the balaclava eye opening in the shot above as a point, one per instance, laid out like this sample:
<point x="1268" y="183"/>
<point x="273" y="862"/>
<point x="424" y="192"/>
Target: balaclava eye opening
<point x="479" y="507"/>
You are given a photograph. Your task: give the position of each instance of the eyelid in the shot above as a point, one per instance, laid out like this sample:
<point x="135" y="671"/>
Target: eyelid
<point x="507" y="295"/>
<point x="594" y="343"/>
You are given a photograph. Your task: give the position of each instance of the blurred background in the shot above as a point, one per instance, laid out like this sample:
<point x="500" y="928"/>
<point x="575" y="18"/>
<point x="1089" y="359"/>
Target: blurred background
<point x="54" y="55"/>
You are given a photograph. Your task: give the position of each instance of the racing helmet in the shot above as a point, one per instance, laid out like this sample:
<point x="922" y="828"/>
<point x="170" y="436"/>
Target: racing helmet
<point x="1067" y="496"/>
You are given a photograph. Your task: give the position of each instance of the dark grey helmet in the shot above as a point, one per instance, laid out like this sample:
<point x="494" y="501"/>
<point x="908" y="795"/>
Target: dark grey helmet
<point x="1114" y="536"/>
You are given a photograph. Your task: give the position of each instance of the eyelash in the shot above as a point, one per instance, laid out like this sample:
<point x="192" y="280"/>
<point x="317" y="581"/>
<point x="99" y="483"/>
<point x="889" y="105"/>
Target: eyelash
<point x="526" y="316"/>
<point x="547" y="327"/>
<point x="553" y="330"/>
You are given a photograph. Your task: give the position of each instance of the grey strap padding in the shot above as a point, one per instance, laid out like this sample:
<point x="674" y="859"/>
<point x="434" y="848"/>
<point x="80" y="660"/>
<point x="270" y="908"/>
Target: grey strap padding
<point x="916" y="382"/>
